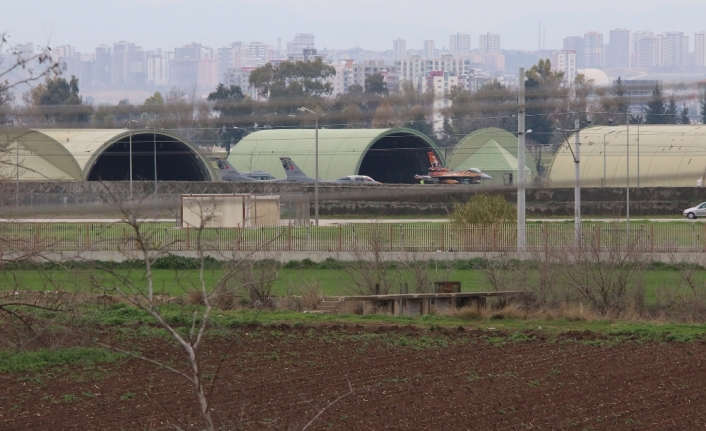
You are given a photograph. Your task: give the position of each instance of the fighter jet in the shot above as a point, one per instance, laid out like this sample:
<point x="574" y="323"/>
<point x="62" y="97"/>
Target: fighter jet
<point x="229" y="173"/>
<point x="296" y="175"/>
<point x="440" y="174"/>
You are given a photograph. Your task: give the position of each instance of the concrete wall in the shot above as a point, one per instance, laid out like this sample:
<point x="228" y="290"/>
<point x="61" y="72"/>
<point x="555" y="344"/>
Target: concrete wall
<point x="375" y="200"/>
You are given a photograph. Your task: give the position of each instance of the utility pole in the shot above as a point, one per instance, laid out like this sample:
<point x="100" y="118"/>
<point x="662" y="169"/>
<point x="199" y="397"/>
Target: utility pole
<point x="577" y="189"/>
<point x="521" y="224"/>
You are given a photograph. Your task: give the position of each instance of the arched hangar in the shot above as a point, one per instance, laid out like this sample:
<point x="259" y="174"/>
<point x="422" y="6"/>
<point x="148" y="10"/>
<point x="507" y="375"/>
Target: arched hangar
<point x="661" y="155"/>
<point x="387" y="155"/>
<point x="101" y="155"/>
<point x="493" y="151"/>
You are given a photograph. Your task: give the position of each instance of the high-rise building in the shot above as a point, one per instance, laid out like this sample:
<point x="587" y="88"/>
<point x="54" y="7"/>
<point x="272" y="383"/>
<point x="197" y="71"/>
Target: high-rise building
<point x="648" y="49"/>
<point x="194" y="64"/>
<point x="619" y="54"/>
<point x="399" y="49"/>
<point x="129" y="66"/>
<point x="460" y="43"/>
<point x="301" y="42"/>
<point x="565" y="61"/>
<point x="700" y="48"/>
<point x="575" y="43"/>
<point x="489" y="43"/>
<point x="593" y="50"/>
<point x="157" y="68"/>
<point x="675" y="51"/>
<point x="428" y="49"/>
<point x="102" y="65"/>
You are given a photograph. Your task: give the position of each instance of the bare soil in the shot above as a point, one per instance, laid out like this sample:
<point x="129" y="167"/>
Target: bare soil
<point x="404" y="378"/>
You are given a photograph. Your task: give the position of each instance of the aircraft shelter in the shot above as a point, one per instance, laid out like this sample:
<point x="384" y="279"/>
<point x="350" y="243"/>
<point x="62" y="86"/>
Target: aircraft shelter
<point x="101" y="155"/>
<point x="493" y="151"/>
<point x="663" y="155"/>
<point x="387" y="155"/>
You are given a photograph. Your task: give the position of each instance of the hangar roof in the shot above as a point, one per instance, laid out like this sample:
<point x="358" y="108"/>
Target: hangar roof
<point x="490" y="148"/>
<point x="341" y="151"/>
<point x="69" y="154"/>
<point x="668" y="156"/>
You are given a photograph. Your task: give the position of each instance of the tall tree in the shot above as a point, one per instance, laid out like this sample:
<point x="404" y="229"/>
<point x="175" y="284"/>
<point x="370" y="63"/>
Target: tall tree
<point x="233" y="114"/>
<point x="375" y="84"/>
<point x="703" y="107"/>
<point x="684" y="115"/>
<point x="18" y="67"/>
<point x="672" y="116"/>
<point x="545" y="97"/>
<point x="59" y="101"/>
<point x="293" y="80"/>
<point x="656" y="107"/>
<point x="612" y="104"/>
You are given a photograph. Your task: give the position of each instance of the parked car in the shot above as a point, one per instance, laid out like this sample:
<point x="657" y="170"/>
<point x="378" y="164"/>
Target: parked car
<point x="697" y="211"/>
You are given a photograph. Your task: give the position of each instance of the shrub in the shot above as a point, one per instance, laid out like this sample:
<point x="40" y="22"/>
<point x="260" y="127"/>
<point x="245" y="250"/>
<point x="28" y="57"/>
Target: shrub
<point x="484" y="209"/>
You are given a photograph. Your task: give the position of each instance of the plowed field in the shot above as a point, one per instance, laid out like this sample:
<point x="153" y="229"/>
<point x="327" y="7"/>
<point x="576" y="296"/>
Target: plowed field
<point x="404" y="378"/>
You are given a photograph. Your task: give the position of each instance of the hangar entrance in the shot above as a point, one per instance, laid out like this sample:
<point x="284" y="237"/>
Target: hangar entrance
<point x="174" y="160"/>
<point x="396" y="158"/>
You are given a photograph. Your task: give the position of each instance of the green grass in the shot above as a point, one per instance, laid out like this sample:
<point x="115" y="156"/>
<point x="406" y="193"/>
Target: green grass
<point x="38" y="360"/>
<point x="331" y="282"/>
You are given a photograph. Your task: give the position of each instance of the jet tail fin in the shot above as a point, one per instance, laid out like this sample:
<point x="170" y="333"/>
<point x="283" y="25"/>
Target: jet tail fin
<point x="291" y="168"/>
<point x="435" y="163"/>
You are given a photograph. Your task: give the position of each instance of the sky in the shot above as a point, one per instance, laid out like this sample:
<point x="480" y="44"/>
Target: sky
<point x="336" y="24"/>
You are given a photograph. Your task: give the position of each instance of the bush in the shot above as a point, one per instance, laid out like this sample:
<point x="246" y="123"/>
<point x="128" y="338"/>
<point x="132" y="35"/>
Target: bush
<point x="484" y="209"/>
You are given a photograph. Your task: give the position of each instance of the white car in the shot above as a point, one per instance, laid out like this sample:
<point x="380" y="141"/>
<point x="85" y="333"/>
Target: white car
<point x="697" y="211"/>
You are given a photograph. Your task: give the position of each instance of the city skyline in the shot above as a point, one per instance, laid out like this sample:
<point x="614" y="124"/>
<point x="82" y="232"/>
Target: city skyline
<point x="160" y="24"/>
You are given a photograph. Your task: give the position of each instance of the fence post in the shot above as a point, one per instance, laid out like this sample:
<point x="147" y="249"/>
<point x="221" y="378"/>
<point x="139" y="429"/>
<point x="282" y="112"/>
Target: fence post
<point x="188" y="238"/>
<point x="390" y="234"/>
<point x="340" y="236"/>
<point x="495" y="231"/>
<point x="88" y="236"/>
<point x="652" y="238"/>
<point x="443" y="234"/>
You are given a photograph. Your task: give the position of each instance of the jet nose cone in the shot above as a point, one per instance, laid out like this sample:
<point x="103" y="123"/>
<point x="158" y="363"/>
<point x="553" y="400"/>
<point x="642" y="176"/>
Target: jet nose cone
<point x="486" y="177"/>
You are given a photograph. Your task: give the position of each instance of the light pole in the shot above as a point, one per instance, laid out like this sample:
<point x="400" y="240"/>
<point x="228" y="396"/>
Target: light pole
<point x="605" y="180"/>
<point x="316" y="161"/>
<point x="129" y="125"/>
<point x="577" y="173"/>
<point x="639" y="120"/>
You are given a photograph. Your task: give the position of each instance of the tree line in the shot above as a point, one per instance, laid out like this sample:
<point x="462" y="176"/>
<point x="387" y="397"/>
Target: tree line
<point x="226" y="115"/>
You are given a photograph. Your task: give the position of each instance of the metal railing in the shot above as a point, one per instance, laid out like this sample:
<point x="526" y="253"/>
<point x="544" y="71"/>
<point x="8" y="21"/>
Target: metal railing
<point x="383" y="237"/>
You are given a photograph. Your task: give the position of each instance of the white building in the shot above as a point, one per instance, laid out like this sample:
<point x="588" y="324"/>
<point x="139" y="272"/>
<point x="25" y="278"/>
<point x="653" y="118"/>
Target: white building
<point x="565" y="61"/>
<point x="415" y="68"/>
<point x="593" y="50"/>
<point x="440" y="83"/>
<point x="429" y="49"/>
<point x="700" y="49"/>
<point x="675" y="51"/>
<point x="301" y="42"/>
<point x="489" y="43"/>
<point x="399" y="49"/>
<point x="157" y="69"/>
<point x="460" y="43"/>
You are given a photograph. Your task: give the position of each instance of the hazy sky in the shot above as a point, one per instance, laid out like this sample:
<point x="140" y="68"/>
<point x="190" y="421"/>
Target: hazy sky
<point x="371" y="24"/>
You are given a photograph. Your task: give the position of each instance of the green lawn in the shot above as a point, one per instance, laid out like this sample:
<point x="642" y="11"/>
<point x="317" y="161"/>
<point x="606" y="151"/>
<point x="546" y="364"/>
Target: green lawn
<point x="330" y="281"/>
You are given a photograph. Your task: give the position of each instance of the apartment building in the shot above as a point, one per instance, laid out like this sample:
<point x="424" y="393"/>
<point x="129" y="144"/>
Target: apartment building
<point x="415" y="69"/>
<point x="399" y="49"/>
<point x="593" y="50"/>
<point x="301" y="42"/>
<point x="565" y="61"/>
<point x="619" y="54"/>
<point x="489" y="44"/>
<point x="575" y="43"/>
<point x="429" y="49"/>
<point x="700" y="49"/>
<point x="459" y="44"/>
